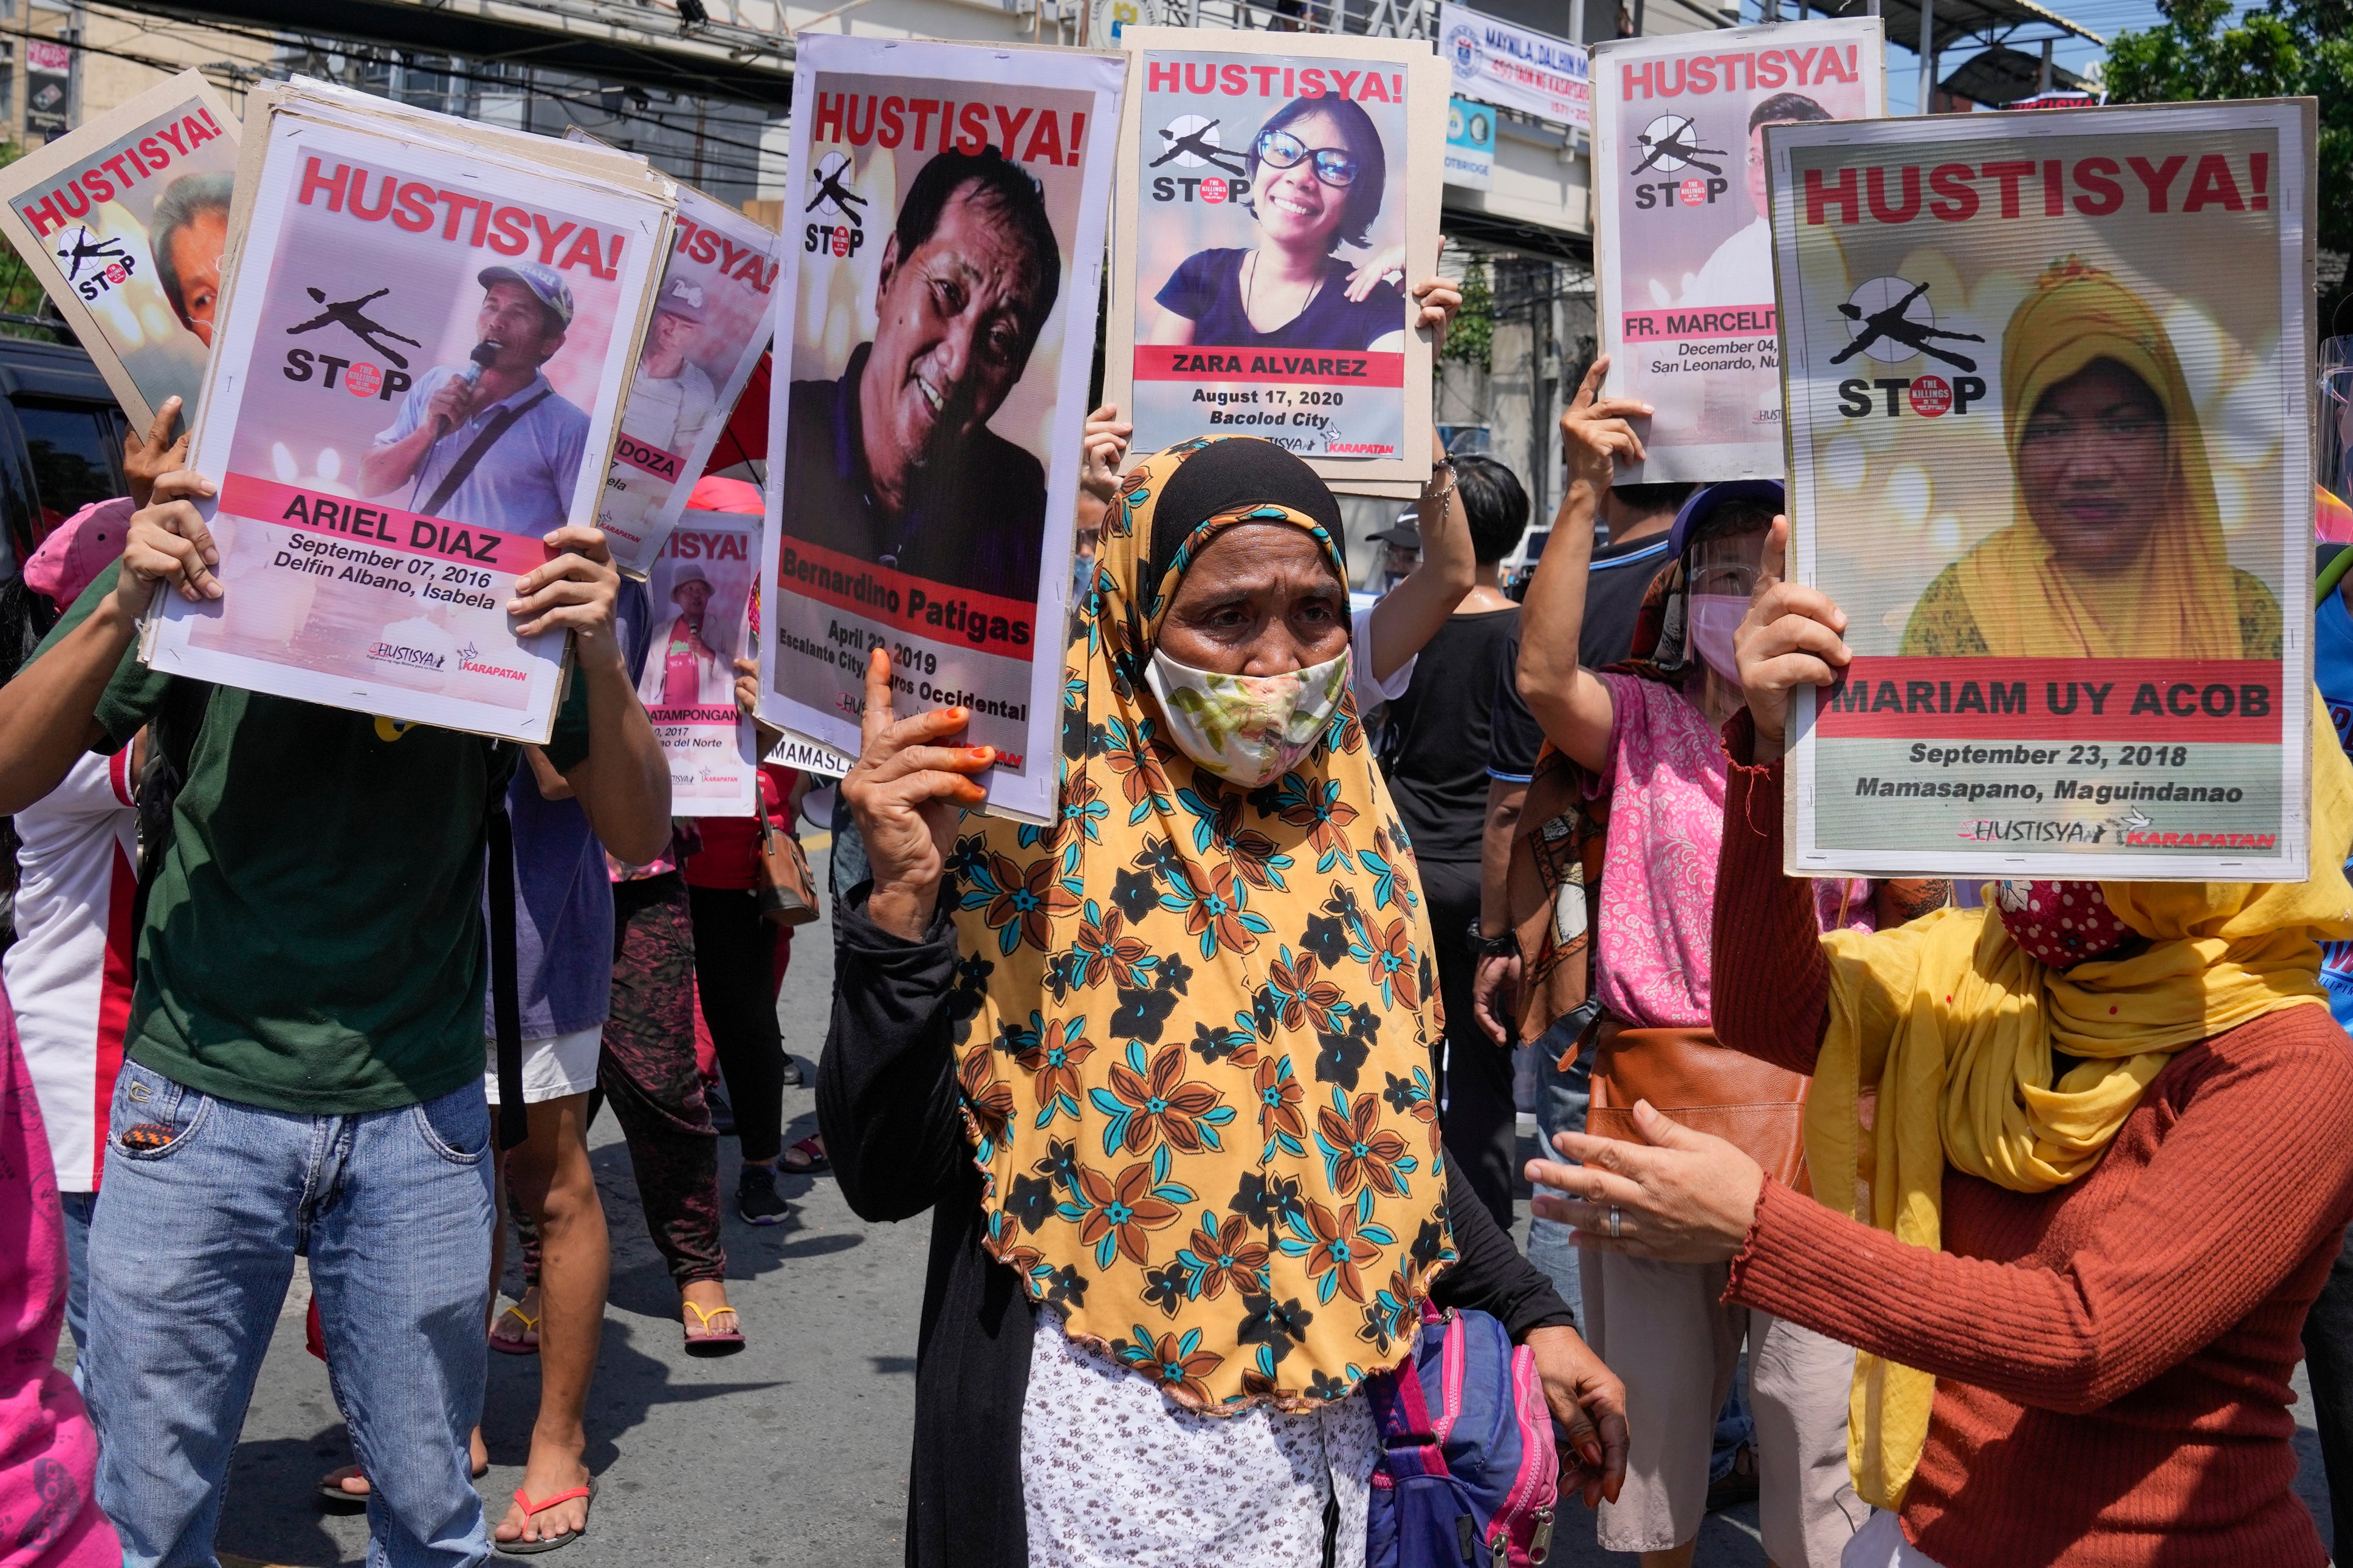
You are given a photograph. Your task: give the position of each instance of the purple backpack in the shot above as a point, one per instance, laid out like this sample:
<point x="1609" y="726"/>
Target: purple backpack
<point x="1470" y="1471"/>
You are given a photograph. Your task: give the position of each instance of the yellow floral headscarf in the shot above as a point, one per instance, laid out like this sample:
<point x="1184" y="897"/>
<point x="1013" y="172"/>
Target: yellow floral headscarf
<point x="1956" y="1026"/>
<point x="1193" y="1027"/>
<point x="2176" y="600"/>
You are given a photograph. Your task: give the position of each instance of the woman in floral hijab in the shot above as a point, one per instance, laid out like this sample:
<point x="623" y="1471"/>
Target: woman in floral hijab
<point x="1162" y="1067"/>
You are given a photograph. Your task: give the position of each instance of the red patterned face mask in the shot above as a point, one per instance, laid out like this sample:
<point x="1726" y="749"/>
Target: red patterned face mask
<point x="2061" y="923"/>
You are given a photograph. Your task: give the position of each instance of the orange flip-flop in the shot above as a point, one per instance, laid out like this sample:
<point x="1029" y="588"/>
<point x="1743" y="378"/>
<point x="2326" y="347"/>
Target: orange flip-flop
<point x="707" y="1343"/>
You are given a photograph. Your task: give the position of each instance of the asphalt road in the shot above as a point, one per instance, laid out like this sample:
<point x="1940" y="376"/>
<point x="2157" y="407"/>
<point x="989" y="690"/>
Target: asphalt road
<point x="793" y="1452"/>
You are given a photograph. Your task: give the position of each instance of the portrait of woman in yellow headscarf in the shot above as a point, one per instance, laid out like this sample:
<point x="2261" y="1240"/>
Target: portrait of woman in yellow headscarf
<point x="2115" y="549"/>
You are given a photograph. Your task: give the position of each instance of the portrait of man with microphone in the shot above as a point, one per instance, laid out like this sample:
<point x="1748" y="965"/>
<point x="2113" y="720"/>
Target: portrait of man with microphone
<point x="490" y="442"/>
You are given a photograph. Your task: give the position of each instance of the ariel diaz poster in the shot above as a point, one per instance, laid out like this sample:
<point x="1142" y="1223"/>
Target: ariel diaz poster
<point x="416" y="378"/>
<point x="2049" y="425"/>
<point x="124" y="222"/>
<point x="1683" y="250"/>
<point x="1279" y="199"/>
<point x="713" y="312"/>
<point x="702" y="590"/>
<point x="936" y="329"/>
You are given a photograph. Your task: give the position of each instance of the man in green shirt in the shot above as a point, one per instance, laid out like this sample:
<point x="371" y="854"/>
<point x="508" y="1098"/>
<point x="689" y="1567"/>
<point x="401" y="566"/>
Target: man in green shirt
<point x="304" y="1052"/>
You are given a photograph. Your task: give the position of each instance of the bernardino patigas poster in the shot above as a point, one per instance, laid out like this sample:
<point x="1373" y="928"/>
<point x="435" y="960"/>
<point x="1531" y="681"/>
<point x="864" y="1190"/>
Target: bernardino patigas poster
<point x="1278" y="202"/>
<point x="124" y="222"/>
<point x="1684" y="248"/>
<point x="423" y="350"/>
<point x="701" y="592"/>
<point x="2049" y="407"/>
<point x="936" y="333"/>
<point x="712" y="313"/>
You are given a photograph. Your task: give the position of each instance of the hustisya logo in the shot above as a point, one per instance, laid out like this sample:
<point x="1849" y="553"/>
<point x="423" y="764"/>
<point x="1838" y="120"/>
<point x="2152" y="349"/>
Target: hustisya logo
<point x="834" y="199"/>
<point x="398" y="653"/>
<point x="111" y="267"/>
<point x="360" y="377"/>
<point x="1890" y="322"/>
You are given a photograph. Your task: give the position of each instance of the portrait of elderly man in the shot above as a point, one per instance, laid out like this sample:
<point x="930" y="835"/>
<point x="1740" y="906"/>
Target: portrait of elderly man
<point x="490" y="442"/>
<point x="671" y="398"/>
<point x="894" y="462"/>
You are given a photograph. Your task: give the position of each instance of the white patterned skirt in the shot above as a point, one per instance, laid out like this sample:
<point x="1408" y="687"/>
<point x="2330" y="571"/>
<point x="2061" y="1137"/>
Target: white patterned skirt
<point x="1114" y="1473"/>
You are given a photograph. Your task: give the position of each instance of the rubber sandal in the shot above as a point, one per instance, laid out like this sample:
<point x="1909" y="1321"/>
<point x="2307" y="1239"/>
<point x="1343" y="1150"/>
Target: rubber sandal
<point x="813" y="1160"/>
<point x="329" y="1491"/>
<point x="706" y="1344"/>
<point x="521" y="1548"/>
<point x="505" y="1346"/>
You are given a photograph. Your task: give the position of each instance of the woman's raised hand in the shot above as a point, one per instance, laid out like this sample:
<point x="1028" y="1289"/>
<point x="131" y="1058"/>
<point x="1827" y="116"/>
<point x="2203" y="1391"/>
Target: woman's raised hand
<point x="1103" y="449"/>
<point x="1437" y="301"/>
<point x="906" y="793"/>
<point x="1596" y="432"/>
<point x="1791" y="637"/>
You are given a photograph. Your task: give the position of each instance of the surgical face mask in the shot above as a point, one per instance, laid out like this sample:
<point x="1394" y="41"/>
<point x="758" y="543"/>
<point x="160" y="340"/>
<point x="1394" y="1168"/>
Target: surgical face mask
<point x="1249" y="730"/>
<point x="1713" y="619"/>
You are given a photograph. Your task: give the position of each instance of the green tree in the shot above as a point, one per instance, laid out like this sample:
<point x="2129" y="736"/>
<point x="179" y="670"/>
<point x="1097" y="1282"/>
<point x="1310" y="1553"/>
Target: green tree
<point x="2291" y="48"/>
<point x="1472" y="338"/>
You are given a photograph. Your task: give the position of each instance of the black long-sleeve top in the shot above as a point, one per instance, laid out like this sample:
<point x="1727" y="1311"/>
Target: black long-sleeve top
<point x="887" y="1102"/>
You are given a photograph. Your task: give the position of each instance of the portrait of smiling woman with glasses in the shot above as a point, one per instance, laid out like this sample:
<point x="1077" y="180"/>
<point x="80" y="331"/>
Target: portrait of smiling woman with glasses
<point x="1316" y="174"/>
<point x="2115" y="549"/>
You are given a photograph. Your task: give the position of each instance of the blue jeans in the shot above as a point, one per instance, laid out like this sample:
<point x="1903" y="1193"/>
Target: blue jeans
<point x="77" y="1207"/>
<point x="190" y="1257"/>
<point x="1561" y="1099"/>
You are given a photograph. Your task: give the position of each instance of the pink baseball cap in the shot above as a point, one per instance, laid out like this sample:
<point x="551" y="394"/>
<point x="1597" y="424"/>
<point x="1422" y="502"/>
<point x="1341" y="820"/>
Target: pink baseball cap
<point x="80" y="548"/>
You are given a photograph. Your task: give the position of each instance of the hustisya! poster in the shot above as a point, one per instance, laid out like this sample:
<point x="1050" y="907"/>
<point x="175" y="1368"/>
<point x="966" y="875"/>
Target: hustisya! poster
<point x="2049" y="396"/>
<point x="416" y="381"/>
<point x="934" y="336"/>
<point x="701" y="586"/>
<point x="1684" y="253"/>
<point x="712" y="313"/>
<point x="1273" y="225"/>
<point x="124" y="222"/>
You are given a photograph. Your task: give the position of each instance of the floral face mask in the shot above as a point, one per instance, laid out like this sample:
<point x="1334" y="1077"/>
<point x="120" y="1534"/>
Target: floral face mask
<point x="1248" y="729"/>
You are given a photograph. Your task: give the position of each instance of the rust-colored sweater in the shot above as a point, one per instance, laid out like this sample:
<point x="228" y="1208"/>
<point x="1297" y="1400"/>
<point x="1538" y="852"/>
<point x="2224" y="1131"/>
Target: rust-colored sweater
<point x="2112" y="1358"/>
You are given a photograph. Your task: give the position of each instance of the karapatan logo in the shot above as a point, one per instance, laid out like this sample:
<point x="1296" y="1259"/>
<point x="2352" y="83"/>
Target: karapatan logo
<point x="470" y="661"/>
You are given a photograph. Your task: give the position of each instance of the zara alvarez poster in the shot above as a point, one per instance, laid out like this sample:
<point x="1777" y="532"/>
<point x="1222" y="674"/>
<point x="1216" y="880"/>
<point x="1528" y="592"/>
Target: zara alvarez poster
<point x="1278" y="197"/>
<point x="2048" y="389"/>
<point x="935" y="330"/>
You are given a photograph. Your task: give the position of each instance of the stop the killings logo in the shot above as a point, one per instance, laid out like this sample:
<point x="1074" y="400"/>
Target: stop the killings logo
<point x="361" y="378"/>
<point x="1671" y="145"/>
<point x="95" y="267"/>
<point x="834" y="199"/>
<point x="1890" y="322"/>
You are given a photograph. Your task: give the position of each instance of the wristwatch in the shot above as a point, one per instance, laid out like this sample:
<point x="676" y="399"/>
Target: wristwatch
<point x="1505" y="946"/>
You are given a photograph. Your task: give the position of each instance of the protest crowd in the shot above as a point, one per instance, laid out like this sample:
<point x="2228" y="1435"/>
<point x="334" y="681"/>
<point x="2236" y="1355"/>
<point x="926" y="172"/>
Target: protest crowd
<point x="1957" y="1220"/>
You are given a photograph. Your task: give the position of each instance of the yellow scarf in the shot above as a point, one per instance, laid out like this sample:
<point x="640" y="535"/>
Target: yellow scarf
<point x="1957" y="1027"/>
<point x="2173" y="601"/>
<point x="1193" y="1030"/>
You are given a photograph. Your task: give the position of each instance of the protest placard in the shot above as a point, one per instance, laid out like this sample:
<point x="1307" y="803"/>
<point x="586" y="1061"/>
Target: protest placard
<point x="421" y="358"/>
<point x="713" y="311"/>
<point x="936" y="325"/>
<point x="702" y="591"/>
<point x="1684" y="254"/>
<point x="1516" y="68"/>
<point x="2049" y="391"/>
<point x="1279" y="200"/>
<point x="124" y="222"/>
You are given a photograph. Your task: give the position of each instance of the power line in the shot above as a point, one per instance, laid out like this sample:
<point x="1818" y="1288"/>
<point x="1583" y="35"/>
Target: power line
<point x="530" y="83"/>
